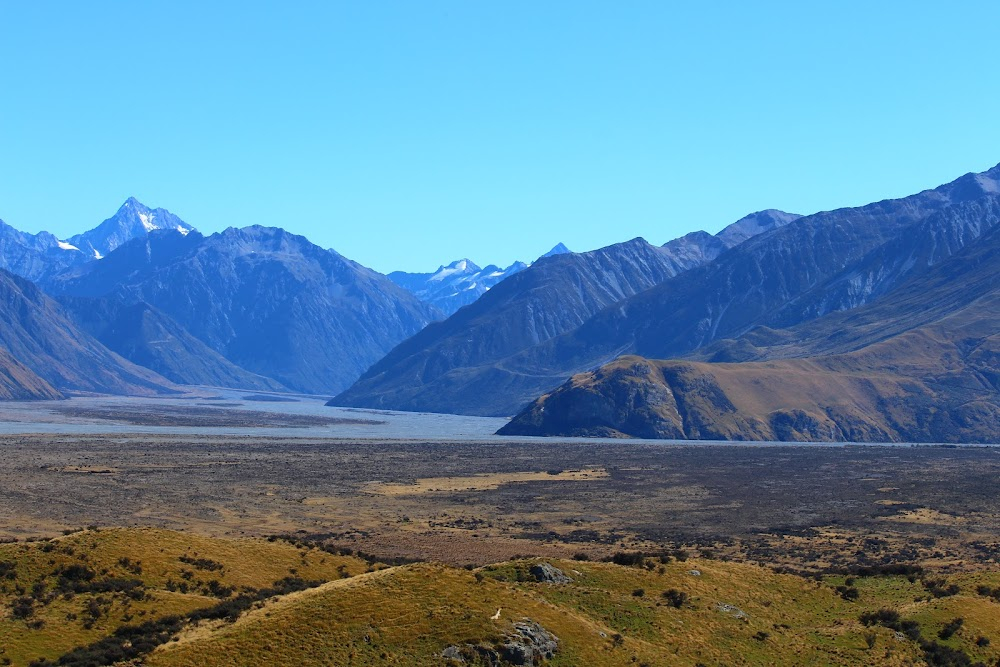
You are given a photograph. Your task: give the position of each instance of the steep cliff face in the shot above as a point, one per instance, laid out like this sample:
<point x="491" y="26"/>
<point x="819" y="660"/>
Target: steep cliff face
<point x="36" y="256"/>
<point x="267" y="300"/>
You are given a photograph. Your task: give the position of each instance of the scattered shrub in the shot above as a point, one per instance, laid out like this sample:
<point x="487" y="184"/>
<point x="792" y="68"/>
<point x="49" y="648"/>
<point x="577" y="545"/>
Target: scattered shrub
<point x="951" y="627"/>
<point x="676" y="598"/>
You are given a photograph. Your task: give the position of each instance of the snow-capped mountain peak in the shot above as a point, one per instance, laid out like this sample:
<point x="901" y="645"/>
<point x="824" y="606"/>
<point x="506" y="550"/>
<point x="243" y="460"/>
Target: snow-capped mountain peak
<point x="454" y="285"/>
<point x="132" y="220"/>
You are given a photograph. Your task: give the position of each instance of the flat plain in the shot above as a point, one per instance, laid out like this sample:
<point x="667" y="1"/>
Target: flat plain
<point x="487" y="498"/>
<point x="765" y="554"/>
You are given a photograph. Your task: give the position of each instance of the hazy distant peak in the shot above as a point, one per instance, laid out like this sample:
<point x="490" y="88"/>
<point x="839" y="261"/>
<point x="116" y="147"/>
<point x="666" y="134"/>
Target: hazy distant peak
<point x="558" y="249"/>
<point x="132" y="203"/>
<point x="970" y="186"/>
<point x="459" y="266"/>
<point x="133" y="219"/>
<point x="754" y="224"/>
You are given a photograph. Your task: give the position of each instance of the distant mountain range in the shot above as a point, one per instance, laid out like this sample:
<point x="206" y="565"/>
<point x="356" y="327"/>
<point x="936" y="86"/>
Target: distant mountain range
<point x="269" y="301"/>
<point x="920" y="364"/>
<point x="461" y="282"/>
<point x="872" y="323"/>
<point x="256" y="308"/>
<point x="38" y="257"/>
<point x="784" y="275"/>
<point x="462" y="364"/>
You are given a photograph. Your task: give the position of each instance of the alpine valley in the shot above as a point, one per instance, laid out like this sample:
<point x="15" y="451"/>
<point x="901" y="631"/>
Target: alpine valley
<point x="876" y="323"/>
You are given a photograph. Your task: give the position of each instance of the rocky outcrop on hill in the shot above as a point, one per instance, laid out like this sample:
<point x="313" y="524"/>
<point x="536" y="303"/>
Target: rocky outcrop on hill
<point x="526" y="645"/>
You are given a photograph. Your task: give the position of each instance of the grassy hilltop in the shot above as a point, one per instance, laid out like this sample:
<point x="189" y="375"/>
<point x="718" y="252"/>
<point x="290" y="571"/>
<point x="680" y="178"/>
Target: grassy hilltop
<point x="157" y="597"/>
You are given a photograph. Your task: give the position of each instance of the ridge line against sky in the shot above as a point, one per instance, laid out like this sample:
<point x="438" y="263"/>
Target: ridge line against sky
<point x="405" y="136"/>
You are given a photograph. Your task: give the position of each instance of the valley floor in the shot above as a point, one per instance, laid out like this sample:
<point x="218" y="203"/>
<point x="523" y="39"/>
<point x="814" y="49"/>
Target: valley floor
<point x="736" y="514"/>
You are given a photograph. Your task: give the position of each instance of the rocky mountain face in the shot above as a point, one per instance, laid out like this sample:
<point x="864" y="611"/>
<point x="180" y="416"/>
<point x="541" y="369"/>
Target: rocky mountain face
<point x="697" y="248"/>
<point x="53" y="355"/>
<point x="267" y="300"/>
<point x="461" y="282"/>
<point x="821" y="263"/>
<point x="147" y="337"/>
<point x="133" y="220"/>
<point x="919" y="364"/>
<point x="462" y="365"/>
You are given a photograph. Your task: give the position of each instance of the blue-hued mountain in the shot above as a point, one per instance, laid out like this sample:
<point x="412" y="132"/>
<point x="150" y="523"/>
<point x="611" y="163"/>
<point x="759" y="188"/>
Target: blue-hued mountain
<point x="789" y="274"/>
<point x="455" y="285"/>
<point x="461" y="364"/>
<point x="921" y="363"/>
<point x="133" y="220"/>
<point x="267" y="300"/>
<point x="557" y="249"/>
<point x="38" y="257"/>
<point x="43" y="354"/>
<point x="773" y="291"/>
<point x="461" y="282"/>
<point x="148" y="337"/>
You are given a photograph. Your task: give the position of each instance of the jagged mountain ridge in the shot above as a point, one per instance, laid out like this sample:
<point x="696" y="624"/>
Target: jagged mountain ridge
<point x="792" y="273"/>
<point x="40" y="256"/>
<point x="461" y="282"/>
<point x="919" y="364"/>
<point x="775" y="279"/>
<point x="269" y="301"/>
<point x="459" y="365"/>
<point x="35" y="256"/>
<point x="454" y="285"/>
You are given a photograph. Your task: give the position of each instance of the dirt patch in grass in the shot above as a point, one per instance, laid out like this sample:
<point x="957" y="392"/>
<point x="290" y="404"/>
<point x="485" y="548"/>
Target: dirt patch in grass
<point x="482" y="482"/>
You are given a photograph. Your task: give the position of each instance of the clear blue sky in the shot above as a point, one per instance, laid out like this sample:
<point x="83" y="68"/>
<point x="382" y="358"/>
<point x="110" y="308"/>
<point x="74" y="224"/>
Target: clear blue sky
<point x="407" y="134"/>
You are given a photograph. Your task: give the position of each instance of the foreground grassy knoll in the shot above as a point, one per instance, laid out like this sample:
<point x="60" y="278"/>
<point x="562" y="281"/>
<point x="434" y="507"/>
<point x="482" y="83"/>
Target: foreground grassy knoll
<point x="74" y="591"/>
<point x="163" y="598"/>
